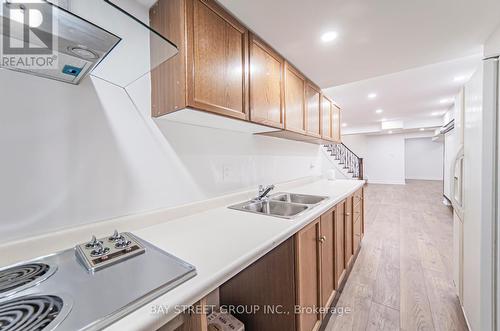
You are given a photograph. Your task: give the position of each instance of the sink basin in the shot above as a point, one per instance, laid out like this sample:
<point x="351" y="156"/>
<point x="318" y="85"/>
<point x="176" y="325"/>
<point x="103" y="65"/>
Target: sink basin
<point x="298" y="198"/>
<point x="272" y="208"/>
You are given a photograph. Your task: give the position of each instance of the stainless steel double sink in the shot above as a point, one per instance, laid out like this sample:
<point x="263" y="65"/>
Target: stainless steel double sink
<point x="284" y="205"/>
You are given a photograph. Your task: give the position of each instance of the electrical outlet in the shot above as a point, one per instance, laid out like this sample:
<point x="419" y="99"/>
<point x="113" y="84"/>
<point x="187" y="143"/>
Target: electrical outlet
<point x="226" y="173"/>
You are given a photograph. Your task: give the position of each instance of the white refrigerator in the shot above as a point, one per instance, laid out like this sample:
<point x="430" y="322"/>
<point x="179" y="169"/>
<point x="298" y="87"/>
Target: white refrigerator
<point x="474" y="195"/>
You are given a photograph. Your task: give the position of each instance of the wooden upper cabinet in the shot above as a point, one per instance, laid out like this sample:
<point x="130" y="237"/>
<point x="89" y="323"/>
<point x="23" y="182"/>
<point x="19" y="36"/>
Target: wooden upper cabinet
<point x="326" y="118"/>
<point x="313" y="111"/>
<point x="168" y="80"/>
<point x="223" y="68"/>
<point x="210" y="71"/>
<point x="266" y="84"/>
<point x="336" y="127"/>
<point x="294" y="100"/>
<point x="217" y="60"/>
<point x="308" y="283"/>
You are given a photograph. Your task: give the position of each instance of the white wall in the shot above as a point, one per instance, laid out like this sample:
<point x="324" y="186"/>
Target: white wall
<point x="492" y="44"/>
<point x="423" y="159"/>
<point x="72" y="155"/>
<point x="357" y="143"/>
<point x="78" y="154"/>
<point x="385" y="159"/>
<point x="384" y="155"/>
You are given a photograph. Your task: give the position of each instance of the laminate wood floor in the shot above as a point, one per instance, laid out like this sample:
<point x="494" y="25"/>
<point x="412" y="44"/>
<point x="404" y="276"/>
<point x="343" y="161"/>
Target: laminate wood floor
<point x="402" y="278"/>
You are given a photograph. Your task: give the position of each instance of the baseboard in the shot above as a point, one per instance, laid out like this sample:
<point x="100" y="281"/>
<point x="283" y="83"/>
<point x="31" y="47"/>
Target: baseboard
<point x="386" y="182"/>
<point x="433" y="179"/>
<point x="465" y="316"/>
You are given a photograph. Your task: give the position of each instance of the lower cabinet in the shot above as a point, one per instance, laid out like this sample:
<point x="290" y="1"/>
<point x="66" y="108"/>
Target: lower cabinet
<point x="294" y="284"/>
<point x="308" y="271"/>
<point x="327" y="251"/>
<point x="358" y="218"/>
<point x="269" y="285"/>
<point x="348" y="234"/>
<point x="339" y="244"/>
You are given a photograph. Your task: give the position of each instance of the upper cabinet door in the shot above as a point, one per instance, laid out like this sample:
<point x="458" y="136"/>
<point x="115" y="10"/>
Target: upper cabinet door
<point x="313" y="117"/>
<point x="336" y="127"/>
<point x="294" y="100"/>
<point x="217" y="68"/>
<point x="326" y="118"/>
<point x="266" y="84"/>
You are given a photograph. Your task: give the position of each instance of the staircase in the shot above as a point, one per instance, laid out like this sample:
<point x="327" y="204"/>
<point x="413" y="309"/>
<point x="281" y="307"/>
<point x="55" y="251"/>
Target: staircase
<point x="346" y="160"/>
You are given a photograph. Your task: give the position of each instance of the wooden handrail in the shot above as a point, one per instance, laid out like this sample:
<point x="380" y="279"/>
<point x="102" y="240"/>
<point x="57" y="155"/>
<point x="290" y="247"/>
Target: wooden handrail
<point x="347" y="158"/>
<point x="350" y="150"/>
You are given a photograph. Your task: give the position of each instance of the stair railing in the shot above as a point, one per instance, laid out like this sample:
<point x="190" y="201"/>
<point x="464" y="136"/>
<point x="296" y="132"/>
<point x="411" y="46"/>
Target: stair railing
<point x="347" y="158"/>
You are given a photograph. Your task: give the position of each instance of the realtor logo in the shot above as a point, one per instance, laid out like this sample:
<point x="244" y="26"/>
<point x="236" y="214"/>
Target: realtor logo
<point x="27" y="35"/>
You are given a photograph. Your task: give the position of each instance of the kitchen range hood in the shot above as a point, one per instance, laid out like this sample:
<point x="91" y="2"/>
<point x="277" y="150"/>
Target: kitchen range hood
<point x="67" y="40"/>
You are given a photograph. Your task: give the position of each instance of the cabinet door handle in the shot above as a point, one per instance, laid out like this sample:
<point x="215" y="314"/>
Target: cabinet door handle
<point x="347" y="214"/>
<point x="322" y="239"/>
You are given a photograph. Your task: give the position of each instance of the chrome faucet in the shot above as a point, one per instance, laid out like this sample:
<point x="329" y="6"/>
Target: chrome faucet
<point x="264" y="191"/>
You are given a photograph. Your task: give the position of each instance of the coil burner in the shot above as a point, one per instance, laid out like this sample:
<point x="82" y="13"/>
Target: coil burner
<point x="20" y="277"/>
<point x="32" y="312"/>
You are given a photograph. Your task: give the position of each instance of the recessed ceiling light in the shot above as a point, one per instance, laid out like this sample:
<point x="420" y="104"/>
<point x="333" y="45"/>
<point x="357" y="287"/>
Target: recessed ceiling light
<point x="329" y="36"/>
<point x="437" y="113"/>
<point x="422" y="129"/>
<point x="344" y="124"/>
<point x="372" y="95"/>
<point x="390" y="132"/>
<point x="379" y="111"/>
<point x="442" y="101"/>
<point x="460" y="78"/>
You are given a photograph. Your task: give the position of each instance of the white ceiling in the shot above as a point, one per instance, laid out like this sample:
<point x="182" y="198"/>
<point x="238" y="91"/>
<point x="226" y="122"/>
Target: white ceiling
<point x="374" y="37"/>
<point x="411" y="96"/>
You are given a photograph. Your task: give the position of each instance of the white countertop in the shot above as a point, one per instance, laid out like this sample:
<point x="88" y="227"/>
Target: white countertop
<point x="221" y="242"/>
